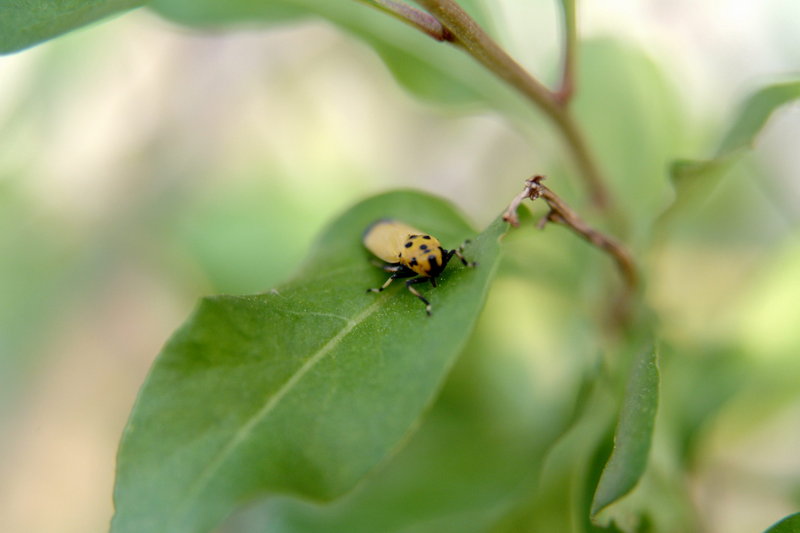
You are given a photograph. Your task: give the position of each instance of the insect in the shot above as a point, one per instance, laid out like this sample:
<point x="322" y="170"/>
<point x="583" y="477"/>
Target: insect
<point x="408" y="252"/>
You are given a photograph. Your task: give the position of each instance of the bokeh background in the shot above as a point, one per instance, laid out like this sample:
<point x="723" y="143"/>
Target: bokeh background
<point x="144" y="165"/>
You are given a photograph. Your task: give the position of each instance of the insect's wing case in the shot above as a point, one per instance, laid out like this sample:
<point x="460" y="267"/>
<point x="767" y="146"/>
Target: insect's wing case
<point x="385" y="238"/>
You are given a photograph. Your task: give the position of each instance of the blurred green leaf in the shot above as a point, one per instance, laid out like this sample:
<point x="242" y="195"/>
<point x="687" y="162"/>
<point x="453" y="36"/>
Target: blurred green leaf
<point x="302" y="390"/>
<point x="558" y="502"/>
<point x="240" y="238"/>
<point x="755" y="112"/>
<point x="23" y="24"/>
<point x="633" y="434"/>
<point x="690" y="399"/>
<point x="634" y="122"/>
<point x="44" y="270"/>
<point x="691" y="176"/>
<point x="430" y="70"/>
<point x="790" y="524"/>
<point x="209" y="12"/>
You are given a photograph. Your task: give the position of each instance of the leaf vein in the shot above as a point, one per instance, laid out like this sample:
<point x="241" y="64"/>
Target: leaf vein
<point x="244" y="432"/>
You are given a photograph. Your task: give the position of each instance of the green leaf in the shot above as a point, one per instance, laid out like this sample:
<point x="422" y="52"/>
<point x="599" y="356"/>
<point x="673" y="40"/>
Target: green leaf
<point x="690" y="176"/>
<point x="23" y="24"/>
<point x="461" y="469"/>
<point x="633" y="433"/>
<point x="429" y="69"/>
<point x="302" y="390"/>
<point x="790" y="524"/>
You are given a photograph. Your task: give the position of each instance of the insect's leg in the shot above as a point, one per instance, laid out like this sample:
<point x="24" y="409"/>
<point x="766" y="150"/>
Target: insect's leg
<point x="386" y="283"/>
<point x="460" y="254"/>
<point x="386" y="267"/>
<point x="416" y="293"/>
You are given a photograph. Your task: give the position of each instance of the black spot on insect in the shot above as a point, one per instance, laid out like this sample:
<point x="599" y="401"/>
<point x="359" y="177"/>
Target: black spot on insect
<point x="408" y="244"/>
<point x="413" y="236"/>
<point x="432" y="259"/>
<point x="427" y="237"/>
<point x="422" y="246"/>
<point x="413" y="262"/>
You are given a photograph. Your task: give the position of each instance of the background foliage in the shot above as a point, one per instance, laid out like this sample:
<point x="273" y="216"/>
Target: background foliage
<point x="144" y="165"/>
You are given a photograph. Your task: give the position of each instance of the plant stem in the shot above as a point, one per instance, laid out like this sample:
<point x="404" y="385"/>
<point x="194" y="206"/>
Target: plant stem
<point x="470" y="36"/>
<point x="565" y="92"/>
<point x="446" y="21"/>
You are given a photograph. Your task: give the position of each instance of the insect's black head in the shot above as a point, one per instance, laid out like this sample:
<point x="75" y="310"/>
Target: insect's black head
<point x="439" y="261"/>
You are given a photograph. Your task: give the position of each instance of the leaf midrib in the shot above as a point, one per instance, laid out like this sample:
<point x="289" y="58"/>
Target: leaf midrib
<point x="245" y="430"/>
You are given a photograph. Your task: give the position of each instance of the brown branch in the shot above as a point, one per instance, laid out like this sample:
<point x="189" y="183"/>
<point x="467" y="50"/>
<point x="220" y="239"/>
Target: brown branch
<point x="561" y="213"/>
<point x="446" y="21"/>
<point x="477" y="43"/>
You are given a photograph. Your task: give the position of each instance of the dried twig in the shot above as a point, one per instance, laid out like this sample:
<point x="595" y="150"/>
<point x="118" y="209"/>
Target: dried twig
<point x="561" y="213"/>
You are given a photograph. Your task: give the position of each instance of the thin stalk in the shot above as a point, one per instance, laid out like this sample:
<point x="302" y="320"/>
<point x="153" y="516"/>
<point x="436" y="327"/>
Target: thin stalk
<point x="470" y="36"/>
<point x="567" y="88"/>
<point x="477" y="43"/>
